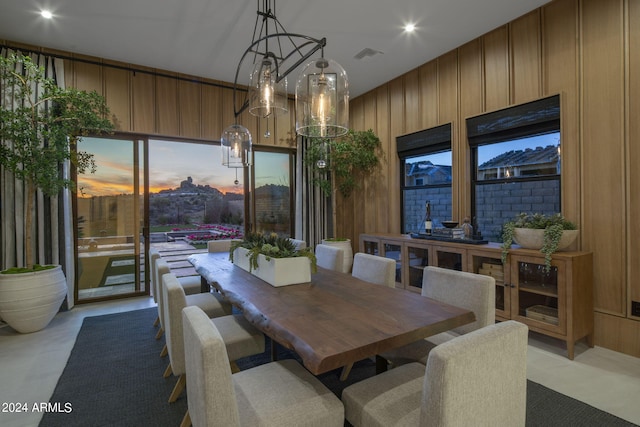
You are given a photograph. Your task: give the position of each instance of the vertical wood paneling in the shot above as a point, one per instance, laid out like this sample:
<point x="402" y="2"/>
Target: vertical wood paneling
<point x="560" y="68"/>
<point x="386" y="217"/>
<point x="413" y="122"/>
<point x="370" y="189"/>
<point x="143" y="98"/>
<point x="88" y="77"/>
<point x="167" y="107"/>
<point x="525" y="53"/>
<point x="448" y="87"/>
<point x="429" y="94"/>
<point x="211" y="112"/>
<point x="471" y="79"/>
<point x="633" y="157"/>
<point x="285" y="132"/>
<point x="496" y="69"/>
<point x="190" y="108"/>
<point x="603" y="148"/>
<point x="118" y="101"/>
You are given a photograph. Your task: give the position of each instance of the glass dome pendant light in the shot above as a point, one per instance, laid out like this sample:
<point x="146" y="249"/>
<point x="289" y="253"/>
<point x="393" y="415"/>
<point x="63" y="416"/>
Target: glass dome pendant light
<point x="236" y="147"/>
<point x="322" y="100"/>
<point x="267" y="95"/>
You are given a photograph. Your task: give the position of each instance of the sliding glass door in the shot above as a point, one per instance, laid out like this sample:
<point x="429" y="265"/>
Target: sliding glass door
<point x="110" y="220"/>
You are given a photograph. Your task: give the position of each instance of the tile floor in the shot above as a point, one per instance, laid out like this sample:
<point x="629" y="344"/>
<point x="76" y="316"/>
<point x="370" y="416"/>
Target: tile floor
<point x="31" y="364"/>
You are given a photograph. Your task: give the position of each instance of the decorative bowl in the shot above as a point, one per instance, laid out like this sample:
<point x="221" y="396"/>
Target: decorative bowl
<point x="450" y="224"/>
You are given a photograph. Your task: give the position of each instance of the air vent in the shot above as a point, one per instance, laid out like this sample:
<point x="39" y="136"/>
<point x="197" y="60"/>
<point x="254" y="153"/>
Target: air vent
<point x="635" y="308"/>
<point x="367" y="52"/>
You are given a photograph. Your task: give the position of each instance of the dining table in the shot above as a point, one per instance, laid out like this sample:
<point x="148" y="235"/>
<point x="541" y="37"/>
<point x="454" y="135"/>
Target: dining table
<point x="335" y="319"/>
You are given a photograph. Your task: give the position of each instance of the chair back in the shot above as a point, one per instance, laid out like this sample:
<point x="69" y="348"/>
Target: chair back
<point x="220" y="245"/>
<point x="174" y="300"/>
<point x="374" y="269"/>
<point x="475" y="292"/>
<point x="211" y="397"/>
<point x="154" y="254"/>
<point x="330" y="257"/>
<point x="162" y="268"/>
<point x="479" y="378"/>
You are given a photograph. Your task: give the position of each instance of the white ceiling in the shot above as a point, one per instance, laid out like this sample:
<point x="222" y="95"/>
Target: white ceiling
<point x="207" y="38"/>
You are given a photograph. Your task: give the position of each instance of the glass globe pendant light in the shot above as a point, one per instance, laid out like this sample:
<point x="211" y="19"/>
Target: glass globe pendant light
<point x="267" y="95"/>
<point x="322" y="100"/>
<point x="236" y="146"/>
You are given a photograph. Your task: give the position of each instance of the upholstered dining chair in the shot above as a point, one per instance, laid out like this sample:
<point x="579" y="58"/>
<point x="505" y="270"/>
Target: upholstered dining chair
<point x="478" y="379"/>
<point x="281" y="393"/>
<point x="223" y="245"/>
<point x="475" y="292"/>
<point x="240" y="337"/>
<point x="211" y="302"/>
<point x="154" y="254"/>
<point x="374" y="269"/>
<point x="329" y="257"/>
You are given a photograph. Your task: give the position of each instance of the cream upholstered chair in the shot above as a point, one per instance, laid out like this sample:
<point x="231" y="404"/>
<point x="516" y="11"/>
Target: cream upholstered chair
<point x="154" y="254"/>
<point x="374" y="269"/>
<point x="212" y="303"/>
<point x="329" y="257"/>
<point x="280" y="393"/>
<point x="240" y="337"/>
<point x="476" y="379"/>
<point x="475" y="292"/>
<point x="223" y="245"/>
<point x="300" y="244"/>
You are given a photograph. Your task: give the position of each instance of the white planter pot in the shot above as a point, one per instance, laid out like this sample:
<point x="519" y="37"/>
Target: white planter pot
<point x="345" y="245"/>
<point x="530" y="238"/>
<point x="276" y="271"/>
<point x="29" y="301"/>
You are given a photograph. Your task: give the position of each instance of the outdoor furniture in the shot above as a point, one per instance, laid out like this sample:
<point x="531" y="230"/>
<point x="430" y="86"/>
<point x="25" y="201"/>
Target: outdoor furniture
<point x="274" y="394"/>
<point x="334" y="320"/>
<point x="374" y="269"/>
<point x="240" y="338"/>
<point x="476" y="379"/>
<point x="330" y="257"/>
<point x="472" y="291"/>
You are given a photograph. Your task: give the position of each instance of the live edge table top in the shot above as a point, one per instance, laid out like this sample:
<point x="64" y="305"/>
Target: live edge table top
<point x="334" y="320"/>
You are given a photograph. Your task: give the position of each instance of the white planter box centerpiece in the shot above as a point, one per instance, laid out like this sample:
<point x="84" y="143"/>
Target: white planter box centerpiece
<point x="275" y="271"/>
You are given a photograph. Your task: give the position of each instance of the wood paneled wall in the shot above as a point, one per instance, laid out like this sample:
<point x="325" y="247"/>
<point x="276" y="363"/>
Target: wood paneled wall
<point x="588" y="51"/>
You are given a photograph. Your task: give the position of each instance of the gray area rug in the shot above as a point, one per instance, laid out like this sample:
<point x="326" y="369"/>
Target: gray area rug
<point x="114" y="378"/>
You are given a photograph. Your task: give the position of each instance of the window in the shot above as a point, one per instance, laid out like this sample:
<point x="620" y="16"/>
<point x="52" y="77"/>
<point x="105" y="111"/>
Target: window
<point x="425" y="159"/>
<point x="516" y="163"/>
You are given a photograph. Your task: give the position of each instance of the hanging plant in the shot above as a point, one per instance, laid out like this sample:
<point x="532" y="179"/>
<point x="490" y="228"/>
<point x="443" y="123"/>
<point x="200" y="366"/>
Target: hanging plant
<point x="347" y="160"/>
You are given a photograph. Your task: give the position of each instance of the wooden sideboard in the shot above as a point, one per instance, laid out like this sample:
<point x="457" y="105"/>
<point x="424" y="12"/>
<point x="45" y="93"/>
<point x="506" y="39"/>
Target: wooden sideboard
<point x="558" y="303"/>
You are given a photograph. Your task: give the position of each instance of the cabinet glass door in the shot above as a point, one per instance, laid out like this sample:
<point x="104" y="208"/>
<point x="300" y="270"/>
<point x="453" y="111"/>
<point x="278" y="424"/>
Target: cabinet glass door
<point x="489" y="266"/>
<point x="450" y="258"/>
<point x="370" y="247"/>
<point x="394" y="251"/>
<point x="418" y="259"/>
<point x="538" y="295"/>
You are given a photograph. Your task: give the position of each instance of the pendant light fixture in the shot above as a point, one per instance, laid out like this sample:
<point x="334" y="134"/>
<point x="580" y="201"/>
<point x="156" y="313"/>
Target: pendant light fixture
<point x="236" y="147"/>
<point x="271" y="56"/>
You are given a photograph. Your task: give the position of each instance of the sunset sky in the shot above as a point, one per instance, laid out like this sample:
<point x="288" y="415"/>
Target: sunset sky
<point x="170" y="163"/>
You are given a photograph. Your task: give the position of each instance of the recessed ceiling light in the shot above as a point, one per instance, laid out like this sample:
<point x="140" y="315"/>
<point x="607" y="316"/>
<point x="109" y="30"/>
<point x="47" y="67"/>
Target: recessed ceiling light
<point x="46" y="14"/>
<point x="410" y="28"/>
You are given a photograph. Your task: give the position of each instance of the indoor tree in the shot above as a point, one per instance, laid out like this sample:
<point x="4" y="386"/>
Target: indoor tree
<point x="40" y="124"/>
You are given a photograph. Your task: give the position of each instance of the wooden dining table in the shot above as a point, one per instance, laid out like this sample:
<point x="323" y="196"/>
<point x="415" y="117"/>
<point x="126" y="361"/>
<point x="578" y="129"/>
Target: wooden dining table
<point x="334" y="320"/>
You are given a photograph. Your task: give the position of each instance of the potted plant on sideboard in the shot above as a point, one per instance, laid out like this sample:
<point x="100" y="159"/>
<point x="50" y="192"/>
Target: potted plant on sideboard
<point x="548" y="233"/>
<point x="40" y="124"/>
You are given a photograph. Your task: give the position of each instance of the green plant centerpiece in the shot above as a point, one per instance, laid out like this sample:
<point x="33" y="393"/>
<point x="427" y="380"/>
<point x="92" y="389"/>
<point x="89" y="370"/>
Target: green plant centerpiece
<point x="348" y="159"/>
<point x="38" y="133"/>
<point x="271" y="246"/>
<point x="553" y="226"/>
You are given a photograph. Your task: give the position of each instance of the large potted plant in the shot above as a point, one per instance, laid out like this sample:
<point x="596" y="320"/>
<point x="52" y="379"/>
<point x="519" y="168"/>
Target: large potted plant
<point x="40" y="124"/>
<point x="347" y="160"/>
<point x="273" y="258"/>
<point x="548" y="233"/>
